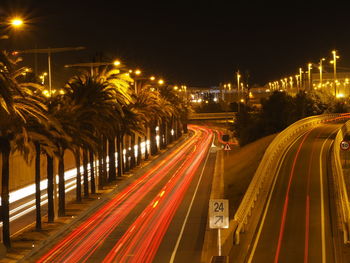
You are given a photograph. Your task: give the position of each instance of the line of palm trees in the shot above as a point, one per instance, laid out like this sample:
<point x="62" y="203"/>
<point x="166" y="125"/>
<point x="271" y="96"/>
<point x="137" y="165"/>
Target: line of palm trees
<point x="94" y="116"/>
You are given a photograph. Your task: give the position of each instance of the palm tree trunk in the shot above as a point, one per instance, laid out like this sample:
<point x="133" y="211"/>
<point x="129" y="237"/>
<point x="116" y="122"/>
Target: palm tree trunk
<point x="178" y="128"/>
<point x="146" y="146"/>
<point x="37" y="187"/>
<point x="138" y="160"/>
<point x="50" y="192"/>
<point x="185" y="126"/>
<point x="61" y="185"/>
<point x="92" y="172"/>
<point x="100" y="168"/>
<point x="112" y="176"/>
<point x="170" y="127"/>
<point x="126" y="160"/>
<point x="85" y="173"/>
<point x="78" y="178"/>
<point x="153" y="140"/>
<point x="104" y="157"/>
<point x="5" y="204"/>
<point x="132" y="151"/>
<point x="162" y="135"/>
<point x="120" y="154"/>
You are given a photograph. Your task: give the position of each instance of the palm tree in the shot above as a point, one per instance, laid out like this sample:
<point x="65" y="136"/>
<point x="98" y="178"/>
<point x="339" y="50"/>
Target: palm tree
<point x="147" y="106"/>
<point x="101" y="98"/>
<point x="17" y="105"/>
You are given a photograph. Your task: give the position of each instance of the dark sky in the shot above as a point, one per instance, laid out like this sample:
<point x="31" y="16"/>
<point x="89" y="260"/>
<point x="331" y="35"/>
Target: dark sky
<point x="195" y="43"/>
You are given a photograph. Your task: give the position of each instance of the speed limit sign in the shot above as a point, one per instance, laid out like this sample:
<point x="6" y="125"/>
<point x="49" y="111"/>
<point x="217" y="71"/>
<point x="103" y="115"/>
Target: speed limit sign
<point x="344" y="145"/>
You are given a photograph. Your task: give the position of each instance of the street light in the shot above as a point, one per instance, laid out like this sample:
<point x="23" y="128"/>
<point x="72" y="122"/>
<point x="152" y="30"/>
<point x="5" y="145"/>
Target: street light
<point x="49" y="51"/>
<point x="16" y="22"/>
<point x="300" y="78"/>
<point x="320" y="68"/>
<point x="309" y="67"/>
<point x="92" y="65"/>
<point x="334" y="62"/>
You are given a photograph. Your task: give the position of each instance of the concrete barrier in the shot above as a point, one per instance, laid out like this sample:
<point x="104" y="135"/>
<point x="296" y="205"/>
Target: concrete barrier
<point x="342" y="194"/>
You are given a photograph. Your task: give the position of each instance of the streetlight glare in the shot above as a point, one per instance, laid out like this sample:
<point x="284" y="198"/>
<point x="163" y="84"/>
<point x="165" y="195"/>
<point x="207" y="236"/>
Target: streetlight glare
<point x="116" y="63"/>
<point x="137" y="72"/>
<point x="16" y="22"/>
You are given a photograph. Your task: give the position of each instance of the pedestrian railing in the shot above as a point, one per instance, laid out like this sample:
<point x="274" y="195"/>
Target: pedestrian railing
<point x="342" y="194"/>
<point x="261" y="183"/>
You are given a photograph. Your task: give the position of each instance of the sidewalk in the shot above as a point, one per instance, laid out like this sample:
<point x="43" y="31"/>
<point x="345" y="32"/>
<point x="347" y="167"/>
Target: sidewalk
<point x="29" y="242"/>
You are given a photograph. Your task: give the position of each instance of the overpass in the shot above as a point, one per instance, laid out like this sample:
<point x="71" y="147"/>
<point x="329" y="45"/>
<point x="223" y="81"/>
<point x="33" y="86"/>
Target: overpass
<point x="212" y="116"/>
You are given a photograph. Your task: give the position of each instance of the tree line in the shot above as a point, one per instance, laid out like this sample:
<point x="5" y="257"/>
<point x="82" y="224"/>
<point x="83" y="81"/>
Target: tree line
<point x="94" y="115"/>
<point x="280" y="110"/>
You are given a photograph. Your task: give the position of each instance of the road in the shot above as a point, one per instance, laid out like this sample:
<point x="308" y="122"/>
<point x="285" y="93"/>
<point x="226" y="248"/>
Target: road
<point x="160" y="217"/>
<point x="296" y="225"/>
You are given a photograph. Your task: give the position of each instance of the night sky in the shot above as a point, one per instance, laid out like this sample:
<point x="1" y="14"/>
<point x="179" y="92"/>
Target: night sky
<point x="198" y="43"/>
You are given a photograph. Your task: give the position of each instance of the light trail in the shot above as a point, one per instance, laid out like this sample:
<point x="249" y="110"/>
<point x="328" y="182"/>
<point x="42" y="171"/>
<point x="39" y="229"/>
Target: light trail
<point x="152" y="225"/>
<point x="80" y="244"/>
<point x="25" y="196"/>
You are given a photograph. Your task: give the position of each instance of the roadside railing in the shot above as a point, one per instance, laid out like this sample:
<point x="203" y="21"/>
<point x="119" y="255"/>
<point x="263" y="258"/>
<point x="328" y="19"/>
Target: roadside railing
<point x="264" y="175"/>
<point x="341" y="194"/>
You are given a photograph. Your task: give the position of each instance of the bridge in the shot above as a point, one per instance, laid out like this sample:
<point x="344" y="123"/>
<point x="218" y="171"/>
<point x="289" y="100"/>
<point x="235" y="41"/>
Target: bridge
<point x="212" y="116"/>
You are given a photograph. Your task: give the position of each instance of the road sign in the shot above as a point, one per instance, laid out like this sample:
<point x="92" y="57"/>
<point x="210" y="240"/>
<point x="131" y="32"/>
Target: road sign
<point x="227" y="147"/>
<point x="344" y="145"/>
<point x="218" y="213"/>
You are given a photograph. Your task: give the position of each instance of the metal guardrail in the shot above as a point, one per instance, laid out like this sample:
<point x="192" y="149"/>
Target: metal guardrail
<point x="341" y="194"/>
<point x="267" y="168"/>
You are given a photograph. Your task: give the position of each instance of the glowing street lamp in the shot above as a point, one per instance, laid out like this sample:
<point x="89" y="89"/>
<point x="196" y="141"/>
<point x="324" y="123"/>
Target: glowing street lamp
<point x="320" y="68"/>
<point x="16" y="22"/>
<point x="334" y="62"/>
<point x="116" y="63"/>
<point x="309" y="67"/>
<point x="49" y="52"/>
<point x="301" y="77"/>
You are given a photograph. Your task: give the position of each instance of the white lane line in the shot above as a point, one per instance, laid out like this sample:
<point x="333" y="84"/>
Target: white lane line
<point x="189" y="209"/>
<point x="323" y="234"/>
<point x="269" y="199"/>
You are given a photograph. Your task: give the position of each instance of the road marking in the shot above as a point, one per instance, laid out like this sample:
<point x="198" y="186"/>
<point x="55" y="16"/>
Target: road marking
<point x="269" y="199"/>
<point x="189" y="210"/>
<point x="323" y="235"/>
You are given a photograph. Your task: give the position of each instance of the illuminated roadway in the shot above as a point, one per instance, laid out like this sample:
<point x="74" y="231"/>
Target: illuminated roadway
<point x="296" y="225"/>
<point x="159" y="217"/>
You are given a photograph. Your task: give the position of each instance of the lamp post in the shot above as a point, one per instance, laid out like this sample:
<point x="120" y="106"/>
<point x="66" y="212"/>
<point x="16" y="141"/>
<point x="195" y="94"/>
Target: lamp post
<point x="238" y="91"/>
<point x="334" y="62"/>
<point x="309" y="67"/>
<point x="49" y="51"/>
<point x="300" y="78"/>
<point x="137" y="73"/>
<point x="92" y="65"/>
<point x="320" y="68"/>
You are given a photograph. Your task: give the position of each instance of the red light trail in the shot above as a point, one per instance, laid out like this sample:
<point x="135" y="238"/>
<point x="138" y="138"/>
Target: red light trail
<point x="152" y="223"/>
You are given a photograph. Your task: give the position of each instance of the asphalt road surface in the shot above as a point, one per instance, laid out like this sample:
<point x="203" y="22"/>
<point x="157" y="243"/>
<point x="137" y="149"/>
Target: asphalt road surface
<point x="297" y="224"/>
<point x="160" y="217"/>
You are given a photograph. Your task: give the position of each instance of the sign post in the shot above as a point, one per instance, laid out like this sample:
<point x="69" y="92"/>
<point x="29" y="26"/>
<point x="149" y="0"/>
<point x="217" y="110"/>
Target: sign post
<point x="218" y="217"/>
<point x="345" y="145"/>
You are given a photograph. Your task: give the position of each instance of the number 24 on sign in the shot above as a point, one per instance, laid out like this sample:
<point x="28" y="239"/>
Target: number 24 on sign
<point x="218" y="213"/>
